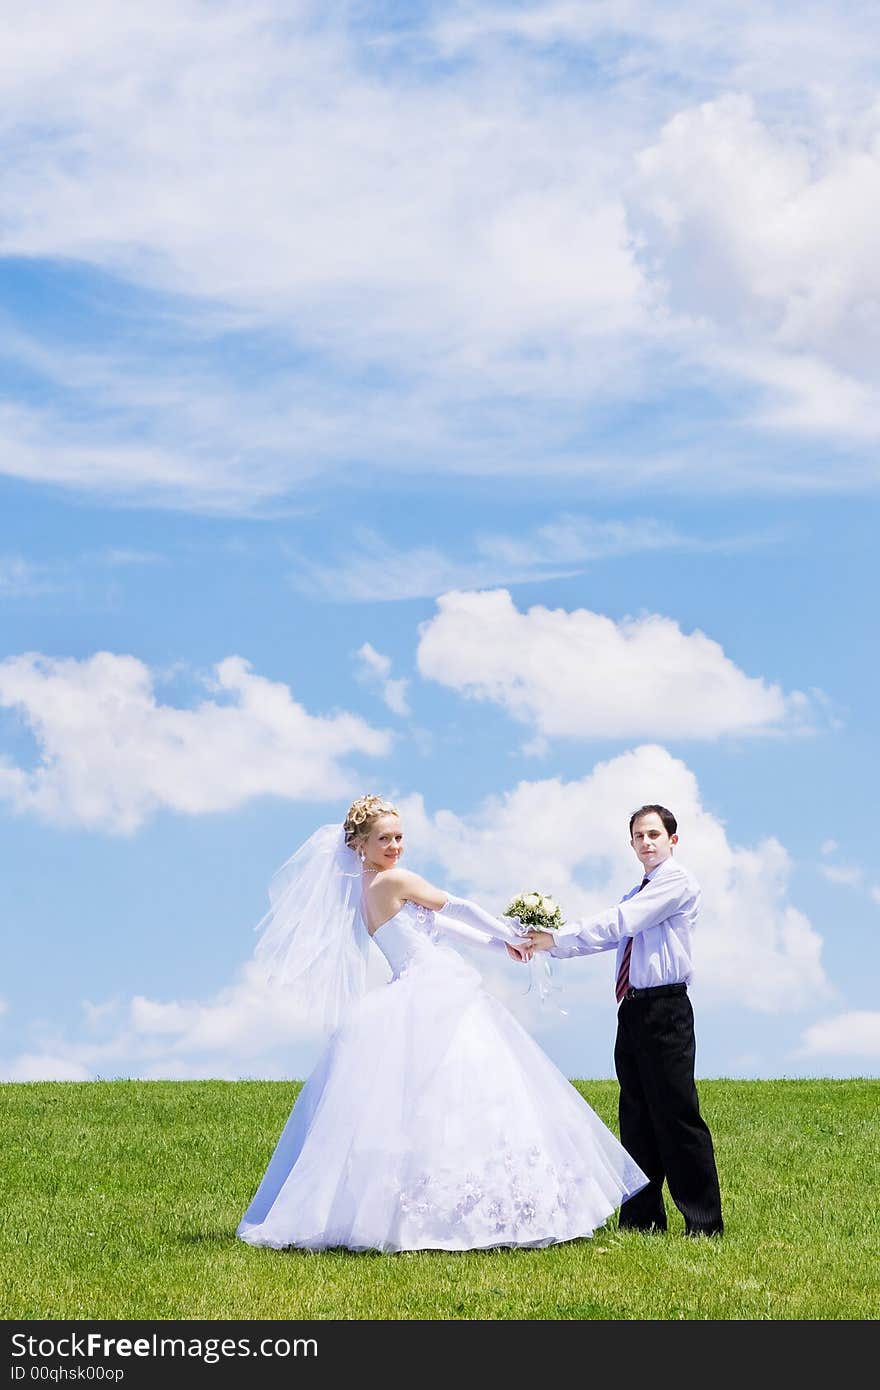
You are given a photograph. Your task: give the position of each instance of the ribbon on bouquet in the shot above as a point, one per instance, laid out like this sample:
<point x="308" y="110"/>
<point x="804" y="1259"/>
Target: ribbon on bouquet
<point x="542" y="981"/>
<point x="540" y="968"/>
<point x="537" y="912"/>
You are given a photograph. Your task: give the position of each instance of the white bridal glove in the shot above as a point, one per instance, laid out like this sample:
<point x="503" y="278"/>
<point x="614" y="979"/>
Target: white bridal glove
<point x="468" y="920"/>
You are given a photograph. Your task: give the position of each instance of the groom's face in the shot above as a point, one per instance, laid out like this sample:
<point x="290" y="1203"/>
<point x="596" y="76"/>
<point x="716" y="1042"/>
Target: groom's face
<point x="651" y="841"/>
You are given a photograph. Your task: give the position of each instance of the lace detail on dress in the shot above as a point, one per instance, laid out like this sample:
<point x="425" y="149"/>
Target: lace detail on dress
<point x="518" y="1190"/>
<point x="425" y="919"/>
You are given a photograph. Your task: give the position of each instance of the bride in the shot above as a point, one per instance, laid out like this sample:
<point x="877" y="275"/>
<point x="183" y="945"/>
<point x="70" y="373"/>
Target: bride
<point x="432" y="1120"/>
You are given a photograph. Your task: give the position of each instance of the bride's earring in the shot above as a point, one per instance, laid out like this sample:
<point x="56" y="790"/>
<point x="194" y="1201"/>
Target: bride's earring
<point x="362" y="857"/>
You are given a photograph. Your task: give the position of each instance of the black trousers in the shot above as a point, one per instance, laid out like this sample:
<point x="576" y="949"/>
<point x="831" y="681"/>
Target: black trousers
<point x="660" y="1121"/>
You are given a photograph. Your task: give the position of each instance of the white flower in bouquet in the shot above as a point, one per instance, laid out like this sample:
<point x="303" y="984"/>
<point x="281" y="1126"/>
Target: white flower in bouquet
<point x="536" y="910"/>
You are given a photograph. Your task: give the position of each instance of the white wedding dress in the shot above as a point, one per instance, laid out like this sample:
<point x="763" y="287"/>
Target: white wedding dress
<point x="433" y="1121"/>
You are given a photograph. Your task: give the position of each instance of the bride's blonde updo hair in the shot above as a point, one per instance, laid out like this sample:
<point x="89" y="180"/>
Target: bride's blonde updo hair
<point x="362" y="816"/>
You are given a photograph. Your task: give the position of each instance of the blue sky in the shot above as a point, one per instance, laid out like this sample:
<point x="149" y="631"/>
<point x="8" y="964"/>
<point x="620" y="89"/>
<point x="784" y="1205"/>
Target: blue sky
<point x="474" y="403"/>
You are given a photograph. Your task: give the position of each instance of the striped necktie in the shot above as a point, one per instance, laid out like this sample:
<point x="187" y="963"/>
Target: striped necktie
<point x="621" y="984"/>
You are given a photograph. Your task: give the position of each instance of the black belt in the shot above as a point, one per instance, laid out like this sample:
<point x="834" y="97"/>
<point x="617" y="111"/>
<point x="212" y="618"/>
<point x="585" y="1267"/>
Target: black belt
<point x="655" y="992"/>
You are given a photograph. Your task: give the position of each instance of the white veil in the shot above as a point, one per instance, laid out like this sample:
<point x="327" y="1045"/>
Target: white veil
<point x="313" y="942"/>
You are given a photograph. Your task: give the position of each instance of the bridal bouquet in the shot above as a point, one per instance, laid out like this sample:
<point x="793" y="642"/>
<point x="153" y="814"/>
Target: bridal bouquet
<point x="536" y="910"/>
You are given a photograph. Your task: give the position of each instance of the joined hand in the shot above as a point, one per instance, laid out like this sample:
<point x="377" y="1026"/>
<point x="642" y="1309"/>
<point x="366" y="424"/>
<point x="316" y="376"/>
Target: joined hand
<point x="539" y="941"/>
<point x="521" y="953"/>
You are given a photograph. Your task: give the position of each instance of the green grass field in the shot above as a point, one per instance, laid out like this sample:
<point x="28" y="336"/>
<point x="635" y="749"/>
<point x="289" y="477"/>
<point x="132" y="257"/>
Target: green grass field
<point x="121" y="1198"/>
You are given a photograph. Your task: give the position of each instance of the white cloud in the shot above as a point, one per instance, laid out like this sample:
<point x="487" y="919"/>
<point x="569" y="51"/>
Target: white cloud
<point x="856" y="1033"/>
<point x="374" y="665"/>
<point x="375" y="668"/>
<point x="394" y="695"/>
<point x="581" y="675"/>
<point x="769" y="237"/>
<point x="848" y="874"/>
<point x="263" y="179"/>
<point x="875" y="894"/>
<point x="700" y="203"/>
<point x="44" y="1066"/>
<point x="111" y="755"/>
<point x="828" y="847"/>
<point x="754" y="948"/>
<point x="246" y="1028"/>
<point x="246" y="1017"/>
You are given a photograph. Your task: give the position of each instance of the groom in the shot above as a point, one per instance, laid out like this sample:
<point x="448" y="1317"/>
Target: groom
<point x="660" y="1121"/>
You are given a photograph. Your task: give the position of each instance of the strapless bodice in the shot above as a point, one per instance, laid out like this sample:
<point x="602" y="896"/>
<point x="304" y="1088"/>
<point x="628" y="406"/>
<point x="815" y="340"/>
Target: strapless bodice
<point x="410" y="934"/>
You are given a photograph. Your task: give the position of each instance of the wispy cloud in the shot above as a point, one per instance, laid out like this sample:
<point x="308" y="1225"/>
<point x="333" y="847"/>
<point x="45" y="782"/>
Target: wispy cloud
<point x="848" y="874"/>
<point x="19" y="578"/>
<point x="116" y="557"/>
<point x="717" y="241"/>
<point x="72" y="577"/>
<point x="373" y="570"/>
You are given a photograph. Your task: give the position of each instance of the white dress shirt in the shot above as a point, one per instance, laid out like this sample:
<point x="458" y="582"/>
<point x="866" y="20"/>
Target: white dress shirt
<point x="659" y="917"/>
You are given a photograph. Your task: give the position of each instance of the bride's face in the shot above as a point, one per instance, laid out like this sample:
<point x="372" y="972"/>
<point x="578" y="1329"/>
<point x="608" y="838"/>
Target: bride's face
<point x="384" y="844"/>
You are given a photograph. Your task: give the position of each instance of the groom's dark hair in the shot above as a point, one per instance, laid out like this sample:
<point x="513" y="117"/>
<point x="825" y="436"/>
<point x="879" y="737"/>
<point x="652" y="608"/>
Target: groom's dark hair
<point x="670" y="824"/>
